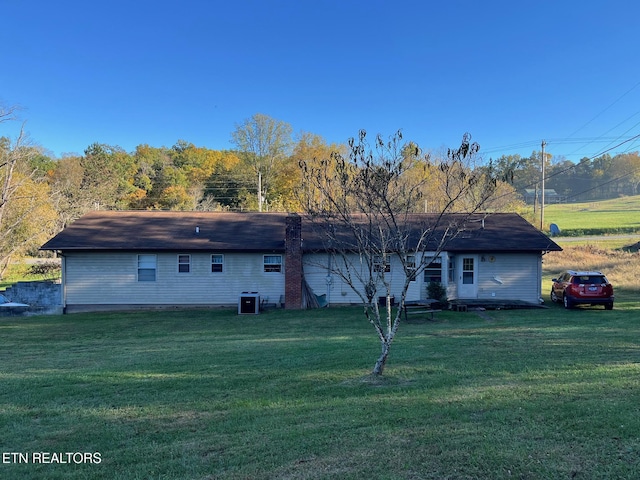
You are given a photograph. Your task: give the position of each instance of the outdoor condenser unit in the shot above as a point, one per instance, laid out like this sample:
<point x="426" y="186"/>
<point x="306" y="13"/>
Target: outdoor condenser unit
<point x="249" y="303"/>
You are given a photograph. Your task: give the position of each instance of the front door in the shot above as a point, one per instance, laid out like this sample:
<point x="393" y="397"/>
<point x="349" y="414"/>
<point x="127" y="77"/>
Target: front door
<point x="467" y="276"/>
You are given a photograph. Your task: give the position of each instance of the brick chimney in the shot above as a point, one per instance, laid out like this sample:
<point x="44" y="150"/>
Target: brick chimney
<point x="293" y="262"/>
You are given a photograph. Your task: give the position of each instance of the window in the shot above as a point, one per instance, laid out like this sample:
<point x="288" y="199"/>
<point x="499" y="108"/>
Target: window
<point x="452" y="270"/>
<point x="411" y="267"/>
<point x="184" y="263"/>
<point x="273" y="263"/>
<point x="381" y="264"/>
<point x="467" y="271"/>
<point x="147" y="268"/>
<point x="217" y="262"/>
<point x="433" y="270"/>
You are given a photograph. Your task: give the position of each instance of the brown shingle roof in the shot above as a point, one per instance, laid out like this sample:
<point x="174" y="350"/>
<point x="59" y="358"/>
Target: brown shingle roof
<point x="265" y="232"/>
<point x="172" y="231"/>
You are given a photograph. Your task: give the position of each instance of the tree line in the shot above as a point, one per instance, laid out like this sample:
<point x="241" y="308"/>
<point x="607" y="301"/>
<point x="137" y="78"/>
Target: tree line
<point x="590" y="179"/>
<point x="41" y="194"/>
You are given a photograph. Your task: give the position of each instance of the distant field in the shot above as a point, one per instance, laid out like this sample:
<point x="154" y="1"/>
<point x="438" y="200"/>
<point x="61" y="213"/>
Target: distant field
<point x="621" y="215"/>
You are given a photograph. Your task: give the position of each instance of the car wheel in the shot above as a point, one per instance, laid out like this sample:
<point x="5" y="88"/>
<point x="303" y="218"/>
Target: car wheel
<point x="567" y="302"/>
<point x="554" y="297"/>
<point x="608" y="306"/>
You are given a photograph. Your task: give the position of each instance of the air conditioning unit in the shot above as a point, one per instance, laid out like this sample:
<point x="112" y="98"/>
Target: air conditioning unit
<point x="249" y="303"/>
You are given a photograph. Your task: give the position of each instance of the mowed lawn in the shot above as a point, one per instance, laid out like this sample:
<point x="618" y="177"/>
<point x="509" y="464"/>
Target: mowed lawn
<point x="527" y="394"/>
<point x="605" y="216"/>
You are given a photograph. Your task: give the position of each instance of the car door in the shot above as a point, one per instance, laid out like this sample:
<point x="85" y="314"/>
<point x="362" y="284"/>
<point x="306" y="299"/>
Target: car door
<point x="560" y="284"/>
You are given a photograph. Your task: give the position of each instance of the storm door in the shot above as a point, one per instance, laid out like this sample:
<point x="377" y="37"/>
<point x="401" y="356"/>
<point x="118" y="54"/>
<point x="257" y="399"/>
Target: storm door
<point x="467" y="276"/>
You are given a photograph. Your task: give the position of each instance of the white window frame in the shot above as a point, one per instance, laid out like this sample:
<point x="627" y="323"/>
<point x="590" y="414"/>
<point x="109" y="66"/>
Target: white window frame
<point x="381" y="264"/>
<point x="182" y="263"/>
<point x="451" y="270"/>
<point x="270" y="267"/>
<point x="221" y="263"/>
<point x="145" y="264"/>
<point x="410" y="263"/>
<point x="432" y="261"/>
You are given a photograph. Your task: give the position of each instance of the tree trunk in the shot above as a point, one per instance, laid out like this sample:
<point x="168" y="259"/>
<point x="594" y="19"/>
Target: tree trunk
<point x="382" y="359"/>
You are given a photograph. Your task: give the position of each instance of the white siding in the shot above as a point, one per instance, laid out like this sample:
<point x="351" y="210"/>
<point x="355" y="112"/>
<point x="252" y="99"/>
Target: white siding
<point x="338" y="292"/>
<point x="501" y="276"/>
<point x="509" y="277"/>
<point x="111" y="279"/>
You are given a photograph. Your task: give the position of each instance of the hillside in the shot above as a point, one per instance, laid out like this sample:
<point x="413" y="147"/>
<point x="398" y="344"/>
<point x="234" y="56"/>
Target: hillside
<point x="621" y="215"/>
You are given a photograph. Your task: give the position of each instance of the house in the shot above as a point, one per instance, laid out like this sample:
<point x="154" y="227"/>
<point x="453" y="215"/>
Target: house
<point x="534" y="195"/>
<point x="132" y="259"/>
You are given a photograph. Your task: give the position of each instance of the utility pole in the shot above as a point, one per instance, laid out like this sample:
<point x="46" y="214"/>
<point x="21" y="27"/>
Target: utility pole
<point x="260" y="191"/>
<point x="542" y="192"/>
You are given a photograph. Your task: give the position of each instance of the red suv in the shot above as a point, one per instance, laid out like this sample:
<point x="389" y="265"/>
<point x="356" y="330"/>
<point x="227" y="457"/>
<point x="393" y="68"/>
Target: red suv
<point x="587" y="288"/>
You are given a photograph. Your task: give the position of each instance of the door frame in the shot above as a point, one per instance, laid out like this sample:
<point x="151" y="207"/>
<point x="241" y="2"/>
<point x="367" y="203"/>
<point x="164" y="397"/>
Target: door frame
<point x="467" y="290"/>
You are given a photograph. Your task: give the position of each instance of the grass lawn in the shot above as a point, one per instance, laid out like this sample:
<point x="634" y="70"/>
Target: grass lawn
<point x="528" y="394"/>
<point x="620" y="215"/>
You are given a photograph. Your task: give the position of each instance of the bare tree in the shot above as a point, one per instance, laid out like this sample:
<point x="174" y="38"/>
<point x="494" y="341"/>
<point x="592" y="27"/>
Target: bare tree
<point x="10" y="154"/>
<point x="8" y="112"/>
<point x="366" y="208"/>
<point x="26" y="215"/>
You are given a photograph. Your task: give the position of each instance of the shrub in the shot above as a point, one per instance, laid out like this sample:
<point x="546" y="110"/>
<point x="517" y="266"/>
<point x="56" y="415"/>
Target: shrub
<point x="46" y="269"/>
<point x="437" y="292"/>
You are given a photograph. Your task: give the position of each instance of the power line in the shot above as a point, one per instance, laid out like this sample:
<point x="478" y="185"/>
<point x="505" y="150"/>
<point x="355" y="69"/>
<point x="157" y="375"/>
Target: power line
<point x="562" y="141"/>
<point x="607" y="108"/>
<point x="573" y="166"/>
<point x="570" y="139"/>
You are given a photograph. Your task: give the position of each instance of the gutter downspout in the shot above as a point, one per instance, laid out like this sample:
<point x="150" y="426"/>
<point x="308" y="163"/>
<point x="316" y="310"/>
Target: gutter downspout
<point x="63" y="281"/>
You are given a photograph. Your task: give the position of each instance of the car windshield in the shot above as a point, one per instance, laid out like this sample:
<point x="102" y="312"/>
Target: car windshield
<point x="3" y="299"/>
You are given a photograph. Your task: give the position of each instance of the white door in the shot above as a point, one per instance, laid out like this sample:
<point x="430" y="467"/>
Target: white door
<point x="467" y="276"/>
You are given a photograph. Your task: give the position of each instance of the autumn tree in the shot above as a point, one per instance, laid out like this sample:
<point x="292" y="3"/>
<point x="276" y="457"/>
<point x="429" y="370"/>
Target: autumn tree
<point x="263" y="143"/>
<point x="628" y="168"/>
<point x="364" y="205"/>
<point x="311" y="150"/>
<point x="26" y="215"/>
<point x="108" y="173"/>
<point x="65" y="181"/>
<point x="208" y="173"/>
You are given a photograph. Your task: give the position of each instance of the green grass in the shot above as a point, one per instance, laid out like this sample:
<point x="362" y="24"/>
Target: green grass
<point x="23" y="272"/>
<point x="621" y="215"/>
<point x="211" y="395"/>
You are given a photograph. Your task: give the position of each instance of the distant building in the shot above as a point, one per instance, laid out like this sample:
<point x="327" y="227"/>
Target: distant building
<point x="550" y="196"/>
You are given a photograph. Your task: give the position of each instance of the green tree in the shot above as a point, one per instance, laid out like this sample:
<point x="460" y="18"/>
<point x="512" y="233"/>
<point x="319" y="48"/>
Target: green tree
<point x="108" y="176"/>
<point x="66" y="189"/>
<point x="263" y="144"/>
<point x="149" y="164"/>
<point x="627" y="169"/>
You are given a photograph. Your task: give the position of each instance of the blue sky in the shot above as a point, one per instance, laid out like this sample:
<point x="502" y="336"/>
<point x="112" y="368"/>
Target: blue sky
<point x="511" y="73"/>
